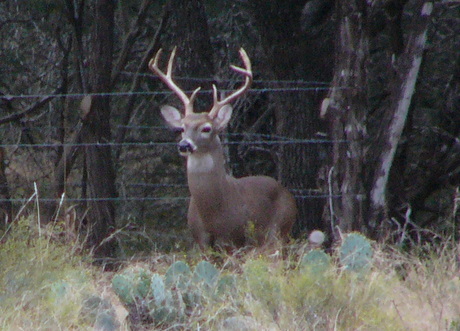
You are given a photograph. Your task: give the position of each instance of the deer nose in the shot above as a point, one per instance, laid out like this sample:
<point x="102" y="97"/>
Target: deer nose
<point x="185" y="146"/>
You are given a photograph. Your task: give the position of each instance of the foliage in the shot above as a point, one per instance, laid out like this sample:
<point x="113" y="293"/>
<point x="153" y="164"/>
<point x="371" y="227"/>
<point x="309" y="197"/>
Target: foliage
<point x="315" y="293"/>
<point x="354" y="254"/>
<point x="46" y="286"/>
<point x="46" y="49"/>
<point x="164" y="301"/>
<point x="43" y="283"/>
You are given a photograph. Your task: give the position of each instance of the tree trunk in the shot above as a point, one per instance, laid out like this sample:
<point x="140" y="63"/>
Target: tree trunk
<point x="295" y="52"/>
<point x="100" y="185"/>
<point x="6" y="209"/>
<point x="346" y="110"/>
<point x="408" y="66"/>
<point x="363" y="151"/>
<point x="188" y="30"/>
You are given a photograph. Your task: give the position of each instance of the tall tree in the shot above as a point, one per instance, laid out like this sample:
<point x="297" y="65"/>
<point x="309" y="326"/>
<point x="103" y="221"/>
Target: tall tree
<point x="298" y="47"/>
<point x="100" y="175"/>
<point x="366" y="139"/>
<point x="347" y="112"/>
<point x="188" y="29"/>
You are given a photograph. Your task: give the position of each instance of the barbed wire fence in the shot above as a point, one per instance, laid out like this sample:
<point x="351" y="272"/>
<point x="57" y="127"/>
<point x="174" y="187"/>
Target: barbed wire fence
<point x="147" y="178"/>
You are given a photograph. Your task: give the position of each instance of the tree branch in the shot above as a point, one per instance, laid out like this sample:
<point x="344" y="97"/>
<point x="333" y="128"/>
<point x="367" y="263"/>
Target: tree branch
<point x="403" y="97"/>
<point x="152" y="49"/>
<point x="129" y="40"/>
<point x="19" y="115"/>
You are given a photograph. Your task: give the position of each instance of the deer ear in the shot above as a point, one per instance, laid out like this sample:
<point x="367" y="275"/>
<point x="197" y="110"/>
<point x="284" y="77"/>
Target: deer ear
<point x="223" y="117"/>
<point x="172" y="116"/>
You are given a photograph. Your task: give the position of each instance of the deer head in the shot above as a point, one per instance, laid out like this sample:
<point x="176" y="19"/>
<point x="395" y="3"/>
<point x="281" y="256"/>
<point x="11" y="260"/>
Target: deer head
<point x="222" y="208"/>
<point x="199" y="128"/>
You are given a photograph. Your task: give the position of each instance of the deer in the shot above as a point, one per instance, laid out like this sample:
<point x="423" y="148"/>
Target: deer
<point x="224" y="211"/>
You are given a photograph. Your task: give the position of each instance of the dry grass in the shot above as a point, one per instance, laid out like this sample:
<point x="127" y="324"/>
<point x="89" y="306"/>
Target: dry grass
<point x="47" y="286"/>
<point x="426" y="295"/>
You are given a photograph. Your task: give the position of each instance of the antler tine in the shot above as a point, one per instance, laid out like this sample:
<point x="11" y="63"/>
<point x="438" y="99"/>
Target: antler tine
<point x="214" y="94"/>
<point x="247" y="63"/>
<point x="247" y="72"/>
<point x="170" y="62"/>
<point x="167" y="79"/>
<point x="193" y="96"/>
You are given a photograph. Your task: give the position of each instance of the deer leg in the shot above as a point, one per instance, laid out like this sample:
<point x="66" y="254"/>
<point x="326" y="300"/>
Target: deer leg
<point x="200" y="235"/>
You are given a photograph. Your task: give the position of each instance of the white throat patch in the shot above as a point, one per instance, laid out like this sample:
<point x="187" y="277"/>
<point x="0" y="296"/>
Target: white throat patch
<point x="200" y="163"/>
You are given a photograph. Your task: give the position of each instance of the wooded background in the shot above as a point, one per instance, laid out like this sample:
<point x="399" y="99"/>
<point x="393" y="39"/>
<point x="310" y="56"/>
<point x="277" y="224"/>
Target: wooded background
<point x="355" y="108"/>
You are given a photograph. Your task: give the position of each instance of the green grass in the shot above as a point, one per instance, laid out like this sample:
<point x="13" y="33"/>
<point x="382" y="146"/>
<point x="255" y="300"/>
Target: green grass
<point x="44" y="284"/>
<point x="49" y="284"/>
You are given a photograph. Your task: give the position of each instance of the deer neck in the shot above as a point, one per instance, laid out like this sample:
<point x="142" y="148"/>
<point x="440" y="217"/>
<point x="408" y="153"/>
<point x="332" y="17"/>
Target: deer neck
<point x="207" y="178"/>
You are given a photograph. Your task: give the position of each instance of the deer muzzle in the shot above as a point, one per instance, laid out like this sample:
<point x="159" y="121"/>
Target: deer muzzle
<point x="186" y="147"/>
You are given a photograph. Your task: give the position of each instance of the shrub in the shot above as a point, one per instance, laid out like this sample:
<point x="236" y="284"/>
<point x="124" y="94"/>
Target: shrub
<point x="43" y="283"/>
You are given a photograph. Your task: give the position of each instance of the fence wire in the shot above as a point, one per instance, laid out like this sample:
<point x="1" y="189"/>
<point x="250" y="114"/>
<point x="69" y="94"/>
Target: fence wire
<point x="281" y="86"/>
<point x="248" y="140"/>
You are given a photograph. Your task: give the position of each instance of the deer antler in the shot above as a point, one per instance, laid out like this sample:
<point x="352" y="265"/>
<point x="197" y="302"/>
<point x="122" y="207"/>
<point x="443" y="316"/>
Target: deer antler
<point x="167" y="79"/>
<point x="235" y="95"/>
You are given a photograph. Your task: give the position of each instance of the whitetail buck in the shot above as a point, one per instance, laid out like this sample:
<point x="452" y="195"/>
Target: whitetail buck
<point x="224" y="211"/>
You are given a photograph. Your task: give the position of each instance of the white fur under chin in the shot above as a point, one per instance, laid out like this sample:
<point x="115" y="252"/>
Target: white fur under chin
<point x="199" y="163"/>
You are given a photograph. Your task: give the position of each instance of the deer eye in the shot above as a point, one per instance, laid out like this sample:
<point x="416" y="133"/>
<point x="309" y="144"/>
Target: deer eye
<point x="179" y="130"/>
<point x="206" y="129"/>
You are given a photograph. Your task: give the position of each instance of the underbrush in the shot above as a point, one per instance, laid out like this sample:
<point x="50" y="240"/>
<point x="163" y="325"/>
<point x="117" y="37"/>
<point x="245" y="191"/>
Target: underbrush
<point x="426" y="294"/>
<point x="47" y="284"/>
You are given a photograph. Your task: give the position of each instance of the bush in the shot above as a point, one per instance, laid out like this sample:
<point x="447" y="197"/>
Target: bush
<point x="265" y="293"/>
<point x="43" y="283"/>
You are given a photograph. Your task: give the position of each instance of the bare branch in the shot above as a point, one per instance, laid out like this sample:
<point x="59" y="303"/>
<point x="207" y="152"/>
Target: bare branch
<point x="19" y="115"/>
<point x="152" y="49"/>
<point x="130" y="39"/>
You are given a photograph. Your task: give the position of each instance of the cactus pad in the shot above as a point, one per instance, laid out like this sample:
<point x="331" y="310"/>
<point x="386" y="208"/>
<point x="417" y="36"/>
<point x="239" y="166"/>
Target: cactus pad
<point x="205" y="273"/>
<point x="356" y="252"/>
<point x="316" y="261"/>
<point x="132" y="284"/>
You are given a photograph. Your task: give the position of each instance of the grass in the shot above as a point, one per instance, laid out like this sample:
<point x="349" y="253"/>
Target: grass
<point x="427" y="294"/>
<point x="45" y="285"/>
<point x="48" y="284"/>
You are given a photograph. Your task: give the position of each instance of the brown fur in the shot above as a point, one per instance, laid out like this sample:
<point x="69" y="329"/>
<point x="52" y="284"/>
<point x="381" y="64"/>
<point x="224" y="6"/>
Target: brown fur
<point x="224" y="211"/>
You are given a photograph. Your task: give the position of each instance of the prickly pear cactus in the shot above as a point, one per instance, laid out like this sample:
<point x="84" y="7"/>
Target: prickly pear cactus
<point x="163" y="301"/>
<point x="205" y="273"/>
<point x="201" y="285"/>
<point x="316" y="261"/>
<point x="161" y="296"/>
<point x="164" y="305"/>
<point x="226" y="284"/>
<point x="123" y="285"/>
<point x="132" y="284"/>
<point x="100" y="313"/>
<point x="178" y="275"/>
<point x="356" y="253"/>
